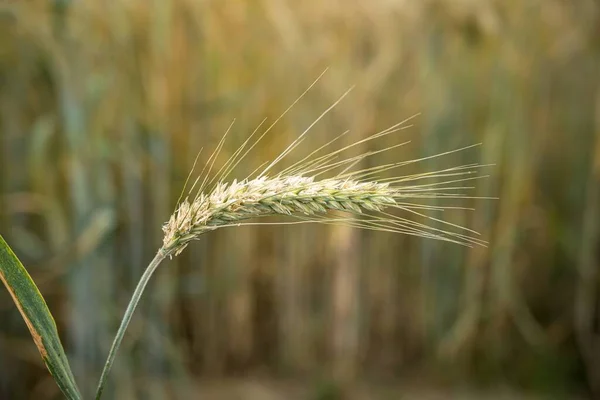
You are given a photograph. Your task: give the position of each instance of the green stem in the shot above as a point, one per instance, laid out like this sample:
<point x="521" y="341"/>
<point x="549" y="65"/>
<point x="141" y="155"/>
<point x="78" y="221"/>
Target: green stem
<point x="135" y="299"/>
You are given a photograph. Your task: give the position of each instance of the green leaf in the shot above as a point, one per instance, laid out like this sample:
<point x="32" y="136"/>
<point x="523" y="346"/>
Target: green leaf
<point x="38" y="318"/>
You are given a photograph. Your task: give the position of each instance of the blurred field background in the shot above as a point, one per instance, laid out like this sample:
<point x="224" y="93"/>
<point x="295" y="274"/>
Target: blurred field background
<point x="104" y="105"/>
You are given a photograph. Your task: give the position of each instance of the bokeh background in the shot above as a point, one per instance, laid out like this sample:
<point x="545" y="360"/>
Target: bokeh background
<point x="104" y="106"/>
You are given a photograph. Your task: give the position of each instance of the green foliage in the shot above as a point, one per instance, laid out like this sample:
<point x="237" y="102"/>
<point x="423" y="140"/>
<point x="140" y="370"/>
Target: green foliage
<point x="327" y="389"/>
<point x="38" y="318"/>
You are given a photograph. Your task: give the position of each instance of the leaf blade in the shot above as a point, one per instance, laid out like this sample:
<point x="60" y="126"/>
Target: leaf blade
<point x="39" y="320"/>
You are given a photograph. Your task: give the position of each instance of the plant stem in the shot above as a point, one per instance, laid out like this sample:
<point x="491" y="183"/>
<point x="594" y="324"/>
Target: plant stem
<point x="135" y="298"/>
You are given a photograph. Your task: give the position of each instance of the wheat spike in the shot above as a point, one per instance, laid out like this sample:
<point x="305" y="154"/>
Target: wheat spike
<point x="232" y="203"/>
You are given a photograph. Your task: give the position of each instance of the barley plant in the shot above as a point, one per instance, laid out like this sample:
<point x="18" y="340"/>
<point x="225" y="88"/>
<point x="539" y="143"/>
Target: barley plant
<point x="326" y="186"/>
<point x="315" y="189"/>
